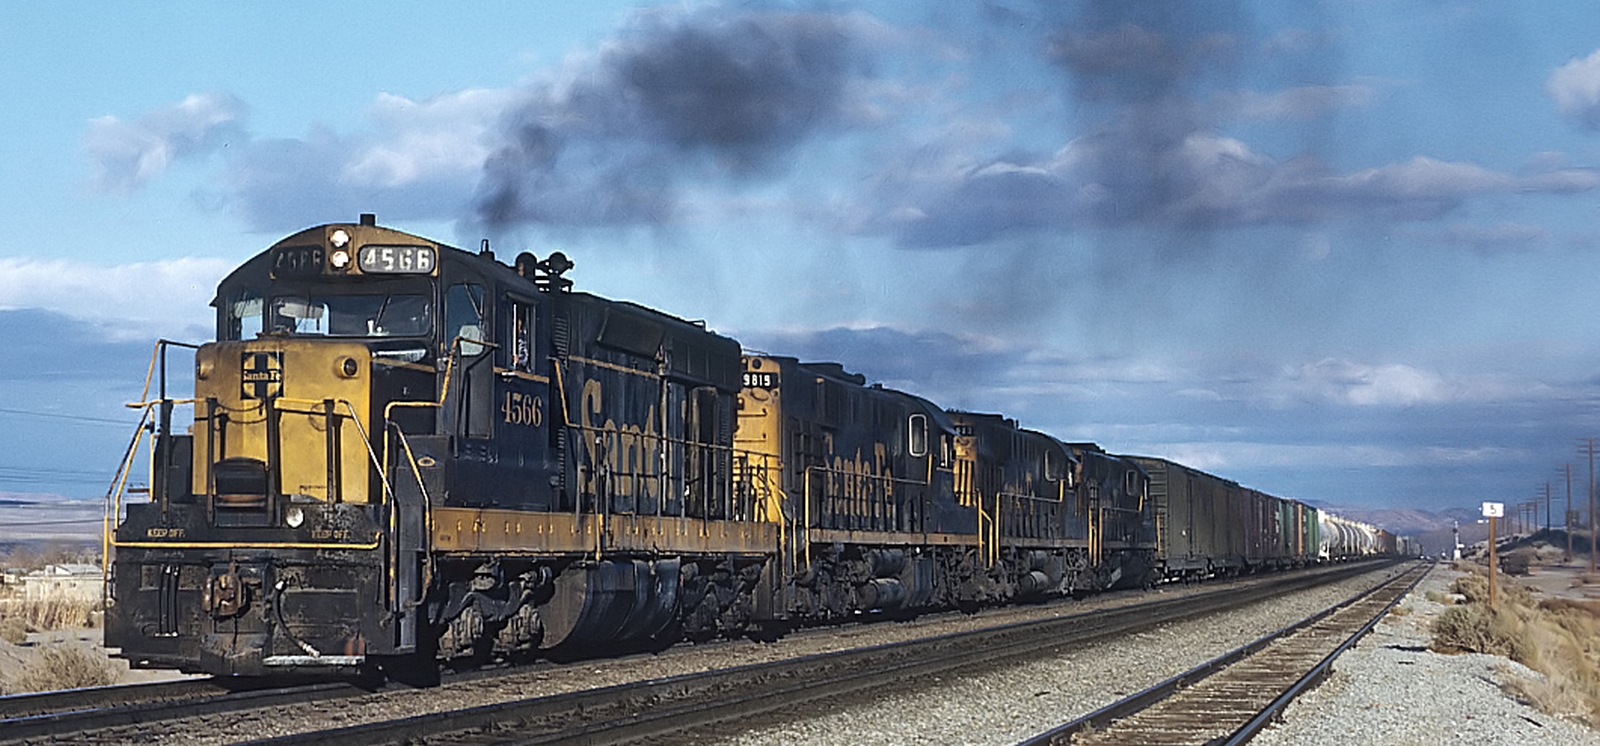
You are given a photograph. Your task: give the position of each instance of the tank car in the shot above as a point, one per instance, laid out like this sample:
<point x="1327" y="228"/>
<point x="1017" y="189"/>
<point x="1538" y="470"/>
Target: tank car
<point x="1344" y="539"/>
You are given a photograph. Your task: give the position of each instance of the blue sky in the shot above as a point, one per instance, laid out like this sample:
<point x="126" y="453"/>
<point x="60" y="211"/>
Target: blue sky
<point x="1343" y="251"/>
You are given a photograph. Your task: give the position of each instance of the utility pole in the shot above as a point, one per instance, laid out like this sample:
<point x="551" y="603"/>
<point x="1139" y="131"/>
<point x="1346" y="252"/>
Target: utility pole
<point x="1567" y="470"/>
<point x="1588" y="450"/>
<point x="1547" y="507"/>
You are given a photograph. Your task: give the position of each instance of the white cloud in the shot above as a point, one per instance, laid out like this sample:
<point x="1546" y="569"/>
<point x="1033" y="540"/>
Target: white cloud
<point x="1576" y="88"/>
<point x="1358" y="384"/>
<point x="139" y="300"/>
<point x="1225" y="456"/>
<point x="441" y="138"/>
<point x="1428" y="178"/>
<point x="128" y="154"/>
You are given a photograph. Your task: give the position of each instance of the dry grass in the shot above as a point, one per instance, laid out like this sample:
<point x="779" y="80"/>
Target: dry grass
<point x="1474" y="586"/>
<point x="1475" y="628"/>
<point x="13" y="630"/>
<point x="1558" y="638"/>
<point x="60" y="667"/>
<point x="43" y="615"/>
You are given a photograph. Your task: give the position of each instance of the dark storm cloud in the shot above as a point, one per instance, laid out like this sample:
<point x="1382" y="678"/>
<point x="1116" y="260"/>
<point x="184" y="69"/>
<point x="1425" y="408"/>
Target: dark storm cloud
<point x="46" y="346"/>
<point x="1152" y="87"/>
<point x="1379" y="429"/>
<point x="1184" y="181"/>
<point x="939" y="362"/>
<point x="706" y="94"/>
<point x="1204" y="182"/>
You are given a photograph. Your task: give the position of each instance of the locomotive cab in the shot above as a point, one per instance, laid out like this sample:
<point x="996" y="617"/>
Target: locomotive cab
<point x="401" y="451"/>
<point x="353" y="366"/>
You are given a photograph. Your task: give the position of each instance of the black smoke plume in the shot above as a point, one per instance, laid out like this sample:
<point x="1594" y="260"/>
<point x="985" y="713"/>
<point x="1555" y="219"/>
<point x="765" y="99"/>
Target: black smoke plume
<point x="710" y="93"/>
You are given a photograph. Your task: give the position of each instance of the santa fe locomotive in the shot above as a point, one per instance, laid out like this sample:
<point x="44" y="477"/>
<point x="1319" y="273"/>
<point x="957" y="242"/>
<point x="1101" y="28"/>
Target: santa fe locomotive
<point x="401" y="451"/>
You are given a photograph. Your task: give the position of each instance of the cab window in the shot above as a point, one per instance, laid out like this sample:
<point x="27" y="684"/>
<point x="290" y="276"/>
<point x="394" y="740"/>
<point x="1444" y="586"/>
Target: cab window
<point x="464" y="318"/>
<point x="520" y="347"/>
<point x="368" y="315"/>
<point x="918" y="430"/>
<point x="244" y="313"/>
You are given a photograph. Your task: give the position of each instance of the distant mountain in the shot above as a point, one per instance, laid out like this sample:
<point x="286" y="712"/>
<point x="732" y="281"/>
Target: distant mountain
<point x="1405" y="521"/>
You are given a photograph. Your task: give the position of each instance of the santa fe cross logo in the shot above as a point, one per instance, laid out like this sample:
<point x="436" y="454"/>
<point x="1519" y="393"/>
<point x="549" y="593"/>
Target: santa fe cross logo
<point x="261" y="375"/>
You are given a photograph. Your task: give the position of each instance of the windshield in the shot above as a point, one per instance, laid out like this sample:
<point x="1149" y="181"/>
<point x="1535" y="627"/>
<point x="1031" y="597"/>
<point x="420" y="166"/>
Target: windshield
<point x="375" y="315"/>
<point x="352" y="315"/>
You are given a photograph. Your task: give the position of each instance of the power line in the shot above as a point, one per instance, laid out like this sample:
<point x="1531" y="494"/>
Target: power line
<point x="79" y="522"/>
<point x="73" y="417"/>
<point x="26" y="475"/>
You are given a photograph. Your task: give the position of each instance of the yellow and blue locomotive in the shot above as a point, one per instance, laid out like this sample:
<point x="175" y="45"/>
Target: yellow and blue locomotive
<point x="398" y="451"/>
<point x="401" y="448"/>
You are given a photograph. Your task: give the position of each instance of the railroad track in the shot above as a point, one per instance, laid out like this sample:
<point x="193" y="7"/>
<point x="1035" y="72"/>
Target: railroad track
<point x="1231" y="698"/>
<point x="676" y="709"/>
<point x="651" y="709"/>
<point x="57" y="714"/>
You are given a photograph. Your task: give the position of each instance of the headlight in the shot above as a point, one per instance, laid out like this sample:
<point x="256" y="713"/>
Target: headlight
<point x="340" y="239"/>
<point x="340" y="259"/>
<point x="294" y="516"/>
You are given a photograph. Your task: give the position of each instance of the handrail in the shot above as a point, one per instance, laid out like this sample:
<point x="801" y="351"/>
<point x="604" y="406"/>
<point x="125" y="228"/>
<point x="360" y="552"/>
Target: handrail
<point x="653" y="443"/>
<point x="113" y="506"/>
<point x="427" y="524"/>
<point x="803" y="535"/>
<point x="120" y="482"/>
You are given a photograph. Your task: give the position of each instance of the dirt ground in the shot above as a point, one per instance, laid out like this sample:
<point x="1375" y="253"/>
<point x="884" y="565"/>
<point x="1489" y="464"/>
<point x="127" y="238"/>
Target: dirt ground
<point x="1562" y="581"/>
<point x="18" y="658"/>
<point x="1552" y="575"/>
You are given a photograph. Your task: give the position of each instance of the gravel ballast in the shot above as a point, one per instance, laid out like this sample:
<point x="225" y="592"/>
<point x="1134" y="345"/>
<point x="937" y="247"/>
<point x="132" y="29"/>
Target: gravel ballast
<point x="1007" y="705"/>
<point x="1391" y="689"/>
<point x="1388" y="690"/>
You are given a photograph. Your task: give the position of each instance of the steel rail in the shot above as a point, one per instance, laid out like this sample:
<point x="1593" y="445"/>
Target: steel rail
<point x="682" y="704"/>
<point x="30" y="704"/>
<point x="1161" y="714"/>
<point x="84" y="710"/>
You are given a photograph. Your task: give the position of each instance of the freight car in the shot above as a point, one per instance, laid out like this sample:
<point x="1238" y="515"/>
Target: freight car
<point x="1343" y="538"/>
<point x="1207" y="525"/>
<point x="398" y="451"/>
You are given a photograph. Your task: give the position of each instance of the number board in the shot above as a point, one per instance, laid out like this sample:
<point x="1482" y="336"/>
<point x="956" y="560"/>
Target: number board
<point x="397" y="259"/>
<point x="753" y="380"/>
<point x="296" y="261"/>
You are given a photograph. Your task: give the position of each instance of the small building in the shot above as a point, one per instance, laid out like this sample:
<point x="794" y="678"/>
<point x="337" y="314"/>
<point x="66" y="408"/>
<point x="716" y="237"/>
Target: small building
<point x="73" y="582"/>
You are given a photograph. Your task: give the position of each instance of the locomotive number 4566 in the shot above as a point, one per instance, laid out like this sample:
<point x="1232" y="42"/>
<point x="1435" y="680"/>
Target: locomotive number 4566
<point x="522" y="409"/>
